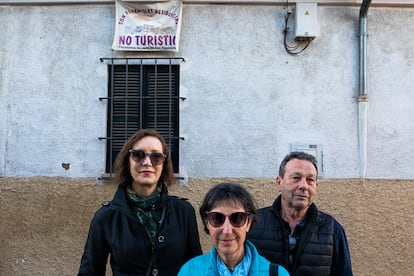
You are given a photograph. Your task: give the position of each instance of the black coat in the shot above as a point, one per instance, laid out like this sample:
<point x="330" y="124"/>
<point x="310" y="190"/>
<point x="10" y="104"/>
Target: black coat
<point x="115" y="230"/>
<point x="322" y="248"/>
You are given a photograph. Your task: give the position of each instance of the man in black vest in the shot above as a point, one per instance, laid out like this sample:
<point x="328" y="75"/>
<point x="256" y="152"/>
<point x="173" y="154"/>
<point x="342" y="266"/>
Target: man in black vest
<point x="293" y="232"/>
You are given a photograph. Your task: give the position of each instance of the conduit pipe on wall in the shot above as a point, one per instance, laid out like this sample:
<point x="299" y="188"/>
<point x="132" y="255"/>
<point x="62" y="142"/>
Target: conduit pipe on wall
<point x="363" y="96"/>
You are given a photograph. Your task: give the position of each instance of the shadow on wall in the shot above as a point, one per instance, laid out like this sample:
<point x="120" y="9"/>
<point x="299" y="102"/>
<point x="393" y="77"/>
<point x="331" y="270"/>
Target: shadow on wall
<point x="44" y="221"/>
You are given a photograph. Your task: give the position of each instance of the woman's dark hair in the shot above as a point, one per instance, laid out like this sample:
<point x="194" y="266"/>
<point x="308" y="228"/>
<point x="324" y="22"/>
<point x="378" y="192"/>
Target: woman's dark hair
<point x="228" y="192"/>
<point x="122" y="166"/>
<point x="297" y="155"/>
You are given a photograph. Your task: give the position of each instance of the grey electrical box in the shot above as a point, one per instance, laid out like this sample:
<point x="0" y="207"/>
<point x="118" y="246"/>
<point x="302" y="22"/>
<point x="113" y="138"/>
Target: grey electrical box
<point x="306" y="21"/>
<point x="313" y="149"/>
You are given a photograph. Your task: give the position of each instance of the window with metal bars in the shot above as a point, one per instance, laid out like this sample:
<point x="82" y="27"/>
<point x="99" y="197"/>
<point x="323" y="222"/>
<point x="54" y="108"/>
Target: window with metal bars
<point x="142" y="96"/>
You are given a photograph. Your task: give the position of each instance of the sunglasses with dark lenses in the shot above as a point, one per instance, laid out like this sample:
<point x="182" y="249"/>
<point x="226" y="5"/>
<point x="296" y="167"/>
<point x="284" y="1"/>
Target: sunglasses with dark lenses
<point x="155" y="157"/>
<point x="217" y="219"/>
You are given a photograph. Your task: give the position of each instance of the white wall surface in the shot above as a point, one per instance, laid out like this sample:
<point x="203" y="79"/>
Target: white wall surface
<point x="247" y="99"/>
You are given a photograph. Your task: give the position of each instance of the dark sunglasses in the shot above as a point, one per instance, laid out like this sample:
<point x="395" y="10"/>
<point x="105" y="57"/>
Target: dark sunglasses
<point x="155" y="157"/>
<point x="217" y="219"/>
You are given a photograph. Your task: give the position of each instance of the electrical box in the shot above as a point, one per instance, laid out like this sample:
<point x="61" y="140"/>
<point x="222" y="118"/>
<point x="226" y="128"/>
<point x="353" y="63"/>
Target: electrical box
<point x="314" y="150"/>
<point x="306" y="21"/>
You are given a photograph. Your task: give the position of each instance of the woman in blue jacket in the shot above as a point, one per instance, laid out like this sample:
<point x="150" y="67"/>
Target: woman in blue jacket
<point x="228" y="211"/>
<point x="144" y="230"/>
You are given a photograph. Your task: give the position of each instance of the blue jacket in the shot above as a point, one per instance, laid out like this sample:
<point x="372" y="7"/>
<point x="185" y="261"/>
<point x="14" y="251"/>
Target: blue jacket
<point x="205" y="265"/>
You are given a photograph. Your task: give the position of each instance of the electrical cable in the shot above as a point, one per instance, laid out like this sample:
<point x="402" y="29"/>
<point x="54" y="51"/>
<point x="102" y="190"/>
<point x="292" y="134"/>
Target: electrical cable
<point x="292" y="49"/>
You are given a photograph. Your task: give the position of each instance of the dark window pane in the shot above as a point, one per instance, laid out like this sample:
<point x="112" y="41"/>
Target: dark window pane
<point x="142" y="96"/>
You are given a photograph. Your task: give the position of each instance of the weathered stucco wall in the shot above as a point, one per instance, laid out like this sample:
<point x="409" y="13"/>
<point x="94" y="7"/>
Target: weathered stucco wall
<point x="44" y="221"/>
<point x="246" y="98"/>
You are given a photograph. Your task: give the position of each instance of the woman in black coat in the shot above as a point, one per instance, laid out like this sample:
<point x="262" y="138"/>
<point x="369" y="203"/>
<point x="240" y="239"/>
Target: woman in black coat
<point x="144" y="230"/>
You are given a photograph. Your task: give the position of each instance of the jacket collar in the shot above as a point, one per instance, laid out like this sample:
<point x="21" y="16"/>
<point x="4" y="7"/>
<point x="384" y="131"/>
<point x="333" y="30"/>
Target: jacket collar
<point x="311" y="214"/>
<point x="120" y="201"/>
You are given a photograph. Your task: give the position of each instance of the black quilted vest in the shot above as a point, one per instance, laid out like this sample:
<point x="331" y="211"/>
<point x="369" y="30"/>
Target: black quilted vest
<point x="314" y="249"/>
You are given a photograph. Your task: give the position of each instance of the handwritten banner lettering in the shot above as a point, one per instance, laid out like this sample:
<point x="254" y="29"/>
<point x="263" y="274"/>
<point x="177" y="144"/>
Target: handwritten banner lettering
<point x="147" y="26"/>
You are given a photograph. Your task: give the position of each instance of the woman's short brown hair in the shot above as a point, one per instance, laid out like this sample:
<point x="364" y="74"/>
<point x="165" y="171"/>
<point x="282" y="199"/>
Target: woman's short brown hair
<point x="228" y="192"/>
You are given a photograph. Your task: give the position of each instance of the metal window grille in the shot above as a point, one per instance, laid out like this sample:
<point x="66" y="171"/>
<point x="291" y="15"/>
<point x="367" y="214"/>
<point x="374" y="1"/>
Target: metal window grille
<point x="142" y="95"/>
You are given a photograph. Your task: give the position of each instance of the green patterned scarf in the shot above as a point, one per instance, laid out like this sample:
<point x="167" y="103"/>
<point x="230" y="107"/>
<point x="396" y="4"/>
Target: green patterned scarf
<point x="141" y="206"/>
